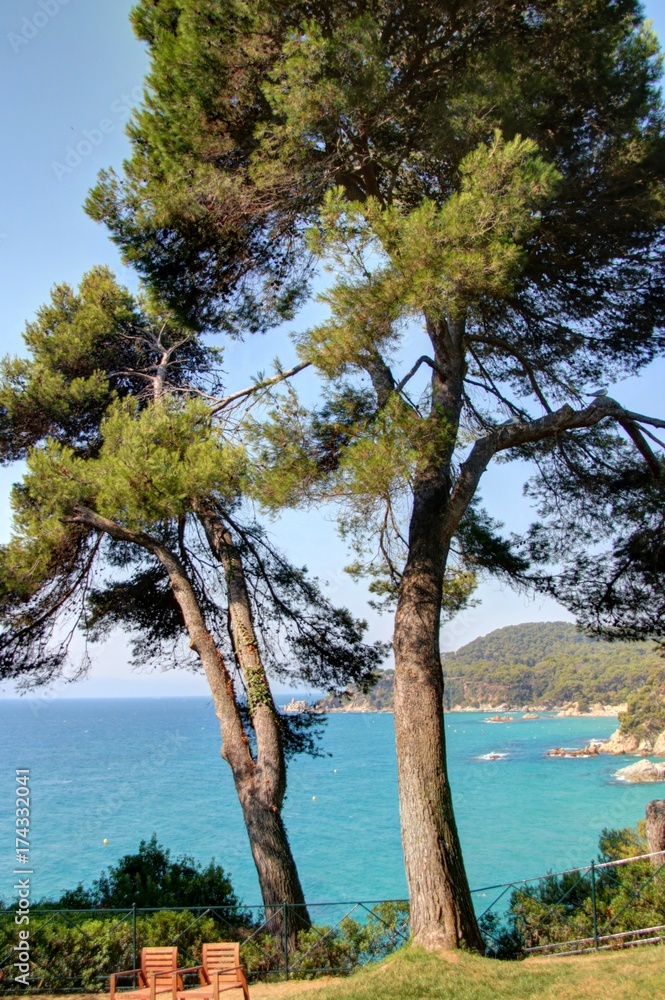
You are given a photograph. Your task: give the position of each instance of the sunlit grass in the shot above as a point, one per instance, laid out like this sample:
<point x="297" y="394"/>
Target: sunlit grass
<point x="411" y="974"/>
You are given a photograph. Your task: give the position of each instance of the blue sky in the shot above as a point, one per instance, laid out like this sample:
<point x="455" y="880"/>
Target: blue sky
<point x="70" y="70"/>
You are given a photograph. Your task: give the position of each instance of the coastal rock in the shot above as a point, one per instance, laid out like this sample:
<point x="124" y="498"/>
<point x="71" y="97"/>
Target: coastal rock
<point x="530" y="715"/>
<point x="659" y="745"/>
<point x="500" y="718"/>
<point x="297" y="707"/>
<point x="619" y="743"/>
<point x="655" y="824"/>
<point x="642" y="771"/>
<point x="596" y="711"/>
<point x="590" y="751"/>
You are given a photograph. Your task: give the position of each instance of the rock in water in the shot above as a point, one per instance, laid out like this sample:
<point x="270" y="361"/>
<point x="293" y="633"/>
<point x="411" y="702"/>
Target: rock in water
<point x="642" y="771"/>
<point x="619" y="743"/>
<point x="297" y="707"/>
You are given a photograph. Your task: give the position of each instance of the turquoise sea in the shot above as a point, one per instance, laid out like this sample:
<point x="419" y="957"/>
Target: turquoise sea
<point x="123" y="769"/>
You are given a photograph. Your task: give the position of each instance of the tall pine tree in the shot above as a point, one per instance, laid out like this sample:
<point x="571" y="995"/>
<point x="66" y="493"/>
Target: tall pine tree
<point x="131" y="514"/>
<point x="491" y="172"/>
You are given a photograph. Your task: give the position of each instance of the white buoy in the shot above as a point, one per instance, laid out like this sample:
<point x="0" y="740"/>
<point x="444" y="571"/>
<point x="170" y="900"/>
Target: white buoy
<point x="313" y="798"/>
<point x="105" y="841"/>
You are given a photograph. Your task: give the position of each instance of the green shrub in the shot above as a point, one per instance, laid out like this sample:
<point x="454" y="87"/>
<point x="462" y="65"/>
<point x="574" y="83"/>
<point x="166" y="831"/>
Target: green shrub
<point x="559" y="908"/>
<point x="77" y="951"/>
<point x="150" y="878"/>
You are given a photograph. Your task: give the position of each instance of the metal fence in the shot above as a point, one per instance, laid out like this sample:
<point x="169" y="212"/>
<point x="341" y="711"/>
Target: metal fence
<point x="597" y="907"/>
<point x="76" y="950"/>
<point x="600" y="906"/>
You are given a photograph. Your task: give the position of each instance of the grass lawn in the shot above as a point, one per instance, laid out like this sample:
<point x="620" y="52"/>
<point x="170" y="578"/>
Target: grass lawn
<point x="411" y="974"/>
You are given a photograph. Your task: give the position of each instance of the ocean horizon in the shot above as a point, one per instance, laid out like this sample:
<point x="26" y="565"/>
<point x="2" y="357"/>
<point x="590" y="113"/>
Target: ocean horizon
<point x="121" y="769"/>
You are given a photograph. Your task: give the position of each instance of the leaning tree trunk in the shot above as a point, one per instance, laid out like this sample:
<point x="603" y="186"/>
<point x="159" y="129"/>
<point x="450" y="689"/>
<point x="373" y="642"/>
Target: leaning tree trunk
<point x="274" y="860"/>
<point x="278" y="877"/>
<point x="442" y="915"/>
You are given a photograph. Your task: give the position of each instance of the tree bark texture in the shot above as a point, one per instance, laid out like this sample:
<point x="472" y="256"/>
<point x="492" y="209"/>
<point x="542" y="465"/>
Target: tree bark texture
<point x="257" y="787"/>
<point x="656" y="830"/>
<point x="274" y="860"/>
<point x="442" y="915"/>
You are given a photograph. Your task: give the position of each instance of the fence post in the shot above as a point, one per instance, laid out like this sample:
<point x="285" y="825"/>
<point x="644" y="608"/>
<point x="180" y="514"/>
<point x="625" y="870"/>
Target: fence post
<point x="285" y="923"/>
<point x="593" y="904"/>
<point x="134" y="939"/>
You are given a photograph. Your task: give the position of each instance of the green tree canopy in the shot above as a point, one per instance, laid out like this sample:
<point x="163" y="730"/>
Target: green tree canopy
<point x="131" y="513"/>
<point x="491" y="172"/>
<point x="81" y="410"/>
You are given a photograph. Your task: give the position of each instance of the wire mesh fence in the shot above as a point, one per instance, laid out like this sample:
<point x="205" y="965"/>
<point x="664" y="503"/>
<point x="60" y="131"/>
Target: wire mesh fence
<point x="77" y="950"/>
<point x="600" y="906"/>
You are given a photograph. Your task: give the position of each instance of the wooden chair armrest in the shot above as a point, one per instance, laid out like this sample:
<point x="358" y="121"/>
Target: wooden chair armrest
<point x="193" y="968"/>
<point x="172" y="989"/>
<point x="129" y="972"/>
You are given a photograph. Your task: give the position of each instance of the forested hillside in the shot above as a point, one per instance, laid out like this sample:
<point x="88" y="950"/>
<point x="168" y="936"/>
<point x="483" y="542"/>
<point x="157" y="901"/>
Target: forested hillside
<point x="546" y="664"/>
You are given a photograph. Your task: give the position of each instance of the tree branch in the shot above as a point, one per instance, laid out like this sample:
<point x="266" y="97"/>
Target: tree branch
<point x="512" y="436"/>
<point x="640" y="443"/>
<point x="235" y="746"/>
<point x="227" y="400"/>
<point x="424" y="359"/>
<point x="504" y="345"/>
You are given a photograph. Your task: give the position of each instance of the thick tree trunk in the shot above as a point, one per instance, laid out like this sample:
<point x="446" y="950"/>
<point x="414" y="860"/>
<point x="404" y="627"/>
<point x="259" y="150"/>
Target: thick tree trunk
<point x="276" y="868"/>
<point x="442" y="915"/>
<point x="262" y="807"/>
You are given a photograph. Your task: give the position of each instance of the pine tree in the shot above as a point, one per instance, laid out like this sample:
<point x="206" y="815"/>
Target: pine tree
<point x="133" y="472"/>
<point x="491" y="172"/>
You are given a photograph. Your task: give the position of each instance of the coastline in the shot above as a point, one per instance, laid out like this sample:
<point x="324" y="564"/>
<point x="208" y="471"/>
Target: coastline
<point x="363" y="708"/>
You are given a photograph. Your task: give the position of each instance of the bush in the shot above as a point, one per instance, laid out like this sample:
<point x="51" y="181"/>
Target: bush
<point x="150" y="878"/>
<point x="559" y="908"/>
<point x="79" y="952"/>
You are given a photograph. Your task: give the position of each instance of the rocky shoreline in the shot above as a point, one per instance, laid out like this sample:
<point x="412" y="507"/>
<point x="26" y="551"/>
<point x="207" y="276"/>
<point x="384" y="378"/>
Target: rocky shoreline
<point x="618" y="744"/>
<point x="363" y="704"/>
<point x="641" y="771"/>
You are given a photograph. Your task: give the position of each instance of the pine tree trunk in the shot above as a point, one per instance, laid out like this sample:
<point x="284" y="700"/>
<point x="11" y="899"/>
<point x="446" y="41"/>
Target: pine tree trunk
<point x="255" y="785"/>
<point x="262" y="805"/>
<point x="276" y="868"/>
<point x="442" y="915"/>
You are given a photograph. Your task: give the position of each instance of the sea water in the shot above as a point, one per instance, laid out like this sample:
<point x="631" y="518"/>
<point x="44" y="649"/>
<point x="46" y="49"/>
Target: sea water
<point x="120" y="770"/>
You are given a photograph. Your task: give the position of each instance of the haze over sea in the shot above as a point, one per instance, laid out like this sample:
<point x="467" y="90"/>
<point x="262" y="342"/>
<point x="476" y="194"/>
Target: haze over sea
<point x="121" y="769"/>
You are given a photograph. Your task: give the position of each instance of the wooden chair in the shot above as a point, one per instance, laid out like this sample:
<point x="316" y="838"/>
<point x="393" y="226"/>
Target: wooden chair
<point x="158" y="974"/>
<point x="220" y="971"/>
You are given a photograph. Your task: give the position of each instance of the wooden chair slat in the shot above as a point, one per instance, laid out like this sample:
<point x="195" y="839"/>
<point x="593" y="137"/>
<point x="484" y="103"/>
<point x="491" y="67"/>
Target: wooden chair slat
<point x="156" y="967"/>
<point x="221" y="972"/>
